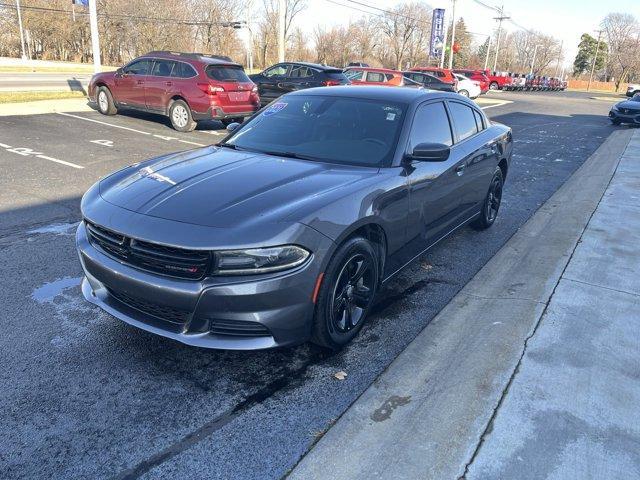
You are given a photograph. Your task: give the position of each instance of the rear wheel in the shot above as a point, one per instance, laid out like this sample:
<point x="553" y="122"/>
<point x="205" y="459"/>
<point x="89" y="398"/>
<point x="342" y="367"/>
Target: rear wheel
<point x="493" y="86"/>
<point x="346" y="294"/>
<point x="180" y="116"/>
<point x="463" y="92"/>
<point x="491" y="203"/>
<point x="104" y="99"/>
<point x="228" y="121"/>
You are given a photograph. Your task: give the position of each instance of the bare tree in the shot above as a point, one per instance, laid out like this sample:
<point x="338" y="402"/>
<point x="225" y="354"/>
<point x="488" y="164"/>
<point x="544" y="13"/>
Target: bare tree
<point x="623" y="35"/>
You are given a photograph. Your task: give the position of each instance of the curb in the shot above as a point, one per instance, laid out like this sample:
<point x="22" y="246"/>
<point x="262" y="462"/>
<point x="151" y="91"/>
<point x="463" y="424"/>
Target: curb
<point x="425" y="415"/>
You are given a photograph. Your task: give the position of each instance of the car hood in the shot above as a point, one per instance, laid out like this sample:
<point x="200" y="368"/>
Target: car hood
<point x="219" y="187"/>
<point x="630" y="104"/>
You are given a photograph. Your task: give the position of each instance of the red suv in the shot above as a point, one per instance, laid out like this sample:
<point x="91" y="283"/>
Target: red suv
<point x="187" y="87"/>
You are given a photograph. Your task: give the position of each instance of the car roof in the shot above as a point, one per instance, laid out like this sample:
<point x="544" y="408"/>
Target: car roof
<point x="311" y="65"/>
<point x="373" y="69"/>
<point x="393" y="94"/>
<point x="191" y="57"/>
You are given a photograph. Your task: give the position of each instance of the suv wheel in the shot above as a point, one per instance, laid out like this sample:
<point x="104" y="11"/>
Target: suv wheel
<point x="464" y="93"/>
<point x="180" y="116"/>
<point x="346" y="294"/>
<point x="104" y="99"/>
<point x="491" y="203"/>
<point x="493" y="86"/>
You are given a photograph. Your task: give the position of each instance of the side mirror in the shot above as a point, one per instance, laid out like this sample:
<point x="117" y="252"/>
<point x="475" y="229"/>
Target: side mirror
<point x="430" y="152"/>
<point x="120" y="72"/>
<point x="232" y="127"/>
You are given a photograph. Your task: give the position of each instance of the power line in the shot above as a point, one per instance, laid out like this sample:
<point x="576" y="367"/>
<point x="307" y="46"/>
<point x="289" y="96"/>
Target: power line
<point x="127" y="17"/>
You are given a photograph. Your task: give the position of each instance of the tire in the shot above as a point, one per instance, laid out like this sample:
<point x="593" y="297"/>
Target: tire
<point x="342" y="296"/>
<point x="615" y="121"/>
<point x="180" y="116"/>
<point x="464" y="93"/>
<point x="491" y="204"/>
<point x="494" y="86"/>
<point x="104" y="100"/>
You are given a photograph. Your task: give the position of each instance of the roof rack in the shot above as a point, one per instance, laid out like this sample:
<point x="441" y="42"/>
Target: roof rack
<point x="191" y="55"/>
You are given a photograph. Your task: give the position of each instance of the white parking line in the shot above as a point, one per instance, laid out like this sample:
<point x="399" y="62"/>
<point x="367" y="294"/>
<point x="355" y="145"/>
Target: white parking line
<point x="495" y="105"/>
<point x="4" y="145"/>
<point x="163" y="137"/>
<point x="103" y="123"/>
<point x="62" y="162"/>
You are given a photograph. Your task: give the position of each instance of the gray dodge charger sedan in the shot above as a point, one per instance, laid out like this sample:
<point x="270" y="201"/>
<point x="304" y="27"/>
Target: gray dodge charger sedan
<point x="283" y="232"/>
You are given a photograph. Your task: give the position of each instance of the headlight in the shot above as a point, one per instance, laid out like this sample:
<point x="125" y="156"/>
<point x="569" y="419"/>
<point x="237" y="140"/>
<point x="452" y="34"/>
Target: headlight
<point x="614" y="108"/>
<point x="259" y="260"/>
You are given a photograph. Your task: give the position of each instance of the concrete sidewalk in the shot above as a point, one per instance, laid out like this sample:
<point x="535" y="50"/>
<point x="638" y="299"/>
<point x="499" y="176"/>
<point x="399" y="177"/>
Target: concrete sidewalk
<point x="533" y="369"/>
<point x="40" y="107"/>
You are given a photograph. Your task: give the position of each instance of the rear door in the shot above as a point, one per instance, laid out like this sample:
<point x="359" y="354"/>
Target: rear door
<point x="129" y="85"/>
<point x="159" y="84"/>
<point x="375" y="78"/>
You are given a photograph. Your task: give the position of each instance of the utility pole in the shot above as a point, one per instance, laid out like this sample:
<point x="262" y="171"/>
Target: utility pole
<point x="486" y="58"/>
<point x="95" y="41"/>
<point x="281" y="26"/>
<point x="249" y="36"/>
<point x="595" y="57"/>
<point x="24" y="50"/>
<point x="559" y="58"/>
<point x="453" y="32"/>
<point x="500" y="19"/>
<point x="533" y="60"/>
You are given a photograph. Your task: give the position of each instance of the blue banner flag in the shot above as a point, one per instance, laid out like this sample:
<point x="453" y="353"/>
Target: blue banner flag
<point x="437" y="32"/>
<point x="84" y="3"/>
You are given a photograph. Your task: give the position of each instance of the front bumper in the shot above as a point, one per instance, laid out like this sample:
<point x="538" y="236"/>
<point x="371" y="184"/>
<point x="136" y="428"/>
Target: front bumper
<point x="633" y="118"/>
<point x="234" y="313"/>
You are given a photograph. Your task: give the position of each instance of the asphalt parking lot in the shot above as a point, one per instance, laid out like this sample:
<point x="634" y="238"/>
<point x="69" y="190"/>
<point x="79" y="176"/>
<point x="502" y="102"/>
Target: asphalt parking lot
<point x="87" y="396"/>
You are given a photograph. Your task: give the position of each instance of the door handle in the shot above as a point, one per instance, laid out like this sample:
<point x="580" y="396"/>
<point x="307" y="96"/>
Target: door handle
<point x="460" y="169"/>
<point x="140" y="82"/>
<point x="168" y="84"/>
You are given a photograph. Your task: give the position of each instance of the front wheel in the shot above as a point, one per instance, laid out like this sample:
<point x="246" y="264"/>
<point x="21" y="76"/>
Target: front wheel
<point x="615" y="121"/>
<point x="464" y="93"/>
<point x="491" y="203"/>
<point x="104" y="99"/>
<point x="493" y="86"/>
<point x="346" y="294"/>
<point x="180" y="116"/>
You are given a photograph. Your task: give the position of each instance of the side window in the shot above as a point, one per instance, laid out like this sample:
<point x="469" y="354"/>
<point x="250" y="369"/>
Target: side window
<point x="464" y="120"/>
<point x="354" y="75"/>
<point x="298" y="71"/>
<point x="430" y="125"/>
<point x="376" y="77"/>
<point x="278" y="70"/>
<point x="162" y="68"/>
<point x="389" y="76"/>
<point x="183" y="70"/>
<point x="140" y="67"/>
<point x="479" y="120"/>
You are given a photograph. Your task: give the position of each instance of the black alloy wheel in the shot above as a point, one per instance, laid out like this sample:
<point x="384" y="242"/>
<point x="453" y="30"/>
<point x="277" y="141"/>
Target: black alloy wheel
<point x="346" y="294"/>
<point x="491" y="204"/>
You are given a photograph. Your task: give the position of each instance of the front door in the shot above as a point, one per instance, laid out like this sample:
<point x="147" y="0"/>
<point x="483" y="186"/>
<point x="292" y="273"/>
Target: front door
<point x="159" y="85"/>
<point x="271" y="83"/>
<point x="435" y="188"/>
<point x="129" y="83"/>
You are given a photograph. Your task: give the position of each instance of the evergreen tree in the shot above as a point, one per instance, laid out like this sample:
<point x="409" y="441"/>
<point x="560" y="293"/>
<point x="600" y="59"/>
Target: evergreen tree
<point x="586" y="51"/>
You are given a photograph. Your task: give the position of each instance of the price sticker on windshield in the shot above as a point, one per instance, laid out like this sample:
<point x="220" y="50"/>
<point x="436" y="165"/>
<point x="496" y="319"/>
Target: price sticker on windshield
<point x="275" y="108"/>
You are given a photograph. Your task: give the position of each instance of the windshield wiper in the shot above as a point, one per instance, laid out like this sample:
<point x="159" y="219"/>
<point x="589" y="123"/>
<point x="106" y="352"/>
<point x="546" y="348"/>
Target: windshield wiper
<point x="290" y="155"/>
<point x="228" y="145"/>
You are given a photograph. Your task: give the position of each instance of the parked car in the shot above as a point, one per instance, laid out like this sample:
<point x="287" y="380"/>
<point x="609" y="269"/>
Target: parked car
<point x="287" y="77"/>
<point x="378" y="76"/>
<point x="518" y="82"/>
<point x="467" y="87"/>
<point x="632" y="89"/>
<point x="443" y="74"/>
<point x="187" y="87"/>
<point x="627" y="111"/>
<point x="476" y="75"/>
<point x="285" y="231"/>
<point x="429" y="81"/>
<point x="498" y="80"/>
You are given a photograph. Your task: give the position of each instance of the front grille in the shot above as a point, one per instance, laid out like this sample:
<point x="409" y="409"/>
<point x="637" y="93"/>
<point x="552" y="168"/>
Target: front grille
<point x="170" y="261"/>
<point x="239" y="328"/>
<point x="169" y="314"/>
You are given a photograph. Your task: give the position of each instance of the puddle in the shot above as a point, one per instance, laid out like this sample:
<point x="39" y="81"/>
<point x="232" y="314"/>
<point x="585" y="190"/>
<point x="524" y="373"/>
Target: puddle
<point x="49" y="291"/>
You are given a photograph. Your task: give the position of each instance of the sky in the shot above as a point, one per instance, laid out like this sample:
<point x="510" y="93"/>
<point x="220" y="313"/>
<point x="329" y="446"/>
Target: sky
<point x="564" y="19"/>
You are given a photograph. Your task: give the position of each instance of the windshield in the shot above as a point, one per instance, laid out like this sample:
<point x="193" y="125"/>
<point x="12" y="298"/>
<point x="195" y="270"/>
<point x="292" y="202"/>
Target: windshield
<point x="353" y="131"/>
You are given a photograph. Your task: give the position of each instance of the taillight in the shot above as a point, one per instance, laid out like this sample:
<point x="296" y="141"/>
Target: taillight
<point x="331" y="83"/>
<point x="210" y="89"/>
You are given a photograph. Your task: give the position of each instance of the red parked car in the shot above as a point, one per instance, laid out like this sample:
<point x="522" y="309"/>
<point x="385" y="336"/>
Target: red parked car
<point x="498" y="80"/>
<point x="444" y="74"/>
<point x="378" y="76"/>
<point x="187" y="87"/>
<point x="476" y="75"/>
